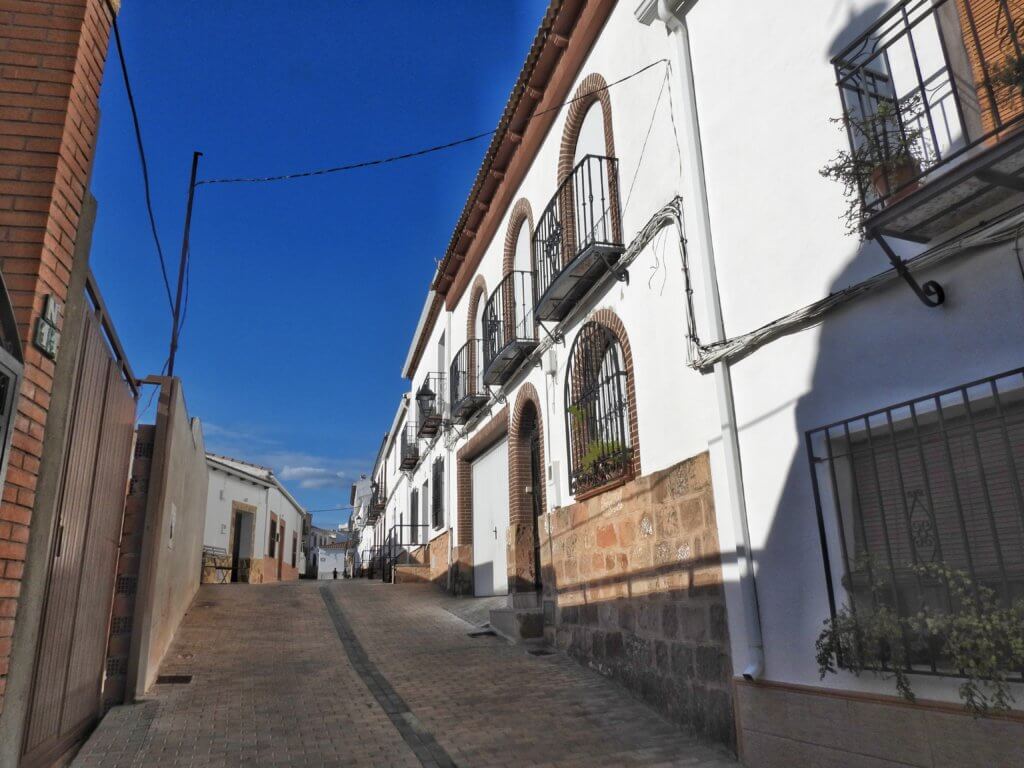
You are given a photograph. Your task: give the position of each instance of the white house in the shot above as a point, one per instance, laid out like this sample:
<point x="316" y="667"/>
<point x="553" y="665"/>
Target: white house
<point x="663" y="399"/>
<point x="332" y="560"/>
<point x="253" y="518"/>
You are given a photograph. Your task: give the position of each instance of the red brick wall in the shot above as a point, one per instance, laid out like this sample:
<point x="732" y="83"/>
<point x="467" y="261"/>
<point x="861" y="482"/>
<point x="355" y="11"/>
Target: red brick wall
<point x="52" y="55"/>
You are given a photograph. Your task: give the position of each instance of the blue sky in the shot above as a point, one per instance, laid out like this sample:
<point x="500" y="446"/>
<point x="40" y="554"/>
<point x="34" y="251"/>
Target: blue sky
<point x="303" y="294"/>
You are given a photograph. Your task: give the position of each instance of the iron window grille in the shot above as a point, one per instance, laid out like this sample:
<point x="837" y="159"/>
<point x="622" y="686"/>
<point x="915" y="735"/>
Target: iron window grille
<point x="596" y="414"/>
<point x="936" y="480"/>
<point x="509" y="330"/>
<point x="466" y="386"/>
<point x="410" y="448"/>
<point x="578" y="236"/>
<point x="414" y="516"/>
<point x="430" y="404"/>
<point x="937" y="82"/>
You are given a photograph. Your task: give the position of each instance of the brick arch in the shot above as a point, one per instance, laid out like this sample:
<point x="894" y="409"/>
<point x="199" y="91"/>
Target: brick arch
<point x="613" y="323"/>
<point x="477" y="294"/>
<point x="593" y="89"/>
<point x="521" y="213"/>
<point x="521" y="567"/>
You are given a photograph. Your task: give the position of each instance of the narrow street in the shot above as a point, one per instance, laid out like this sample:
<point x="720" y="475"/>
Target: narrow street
<point x="361" y="673"/>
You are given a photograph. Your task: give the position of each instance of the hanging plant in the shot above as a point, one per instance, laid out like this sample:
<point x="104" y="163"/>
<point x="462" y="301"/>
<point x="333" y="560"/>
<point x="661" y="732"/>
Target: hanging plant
<point x="886" y="158"/>
<point x="980" y="640"/>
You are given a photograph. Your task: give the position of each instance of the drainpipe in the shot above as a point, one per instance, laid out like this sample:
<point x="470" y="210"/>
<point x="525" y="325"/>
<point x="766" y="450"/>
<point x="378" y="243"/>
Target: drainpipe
<point x="672" y="13"/>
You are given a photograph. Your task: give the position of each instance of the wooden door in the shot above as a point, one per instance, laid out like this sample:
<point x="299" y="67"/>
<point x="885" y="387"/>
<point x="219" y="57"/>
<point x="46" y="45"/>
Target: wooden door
<point x="66" y="690"/>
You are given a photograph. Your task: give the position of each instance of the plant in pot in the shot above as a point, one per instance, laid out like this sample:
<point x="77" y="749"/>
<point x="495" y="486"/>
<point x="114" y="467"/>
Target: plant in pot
<point x="978" y="639"/>
<point x="885" y="157"/>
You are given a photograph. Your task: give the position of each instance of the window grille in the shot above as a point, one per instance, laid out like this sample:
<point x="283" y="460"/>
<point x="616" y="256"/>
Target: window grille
<point x="596" y="416"/>
<point x="933" y="481"/>
<point x="414" y="517"/>
<point x="437" y="486"/>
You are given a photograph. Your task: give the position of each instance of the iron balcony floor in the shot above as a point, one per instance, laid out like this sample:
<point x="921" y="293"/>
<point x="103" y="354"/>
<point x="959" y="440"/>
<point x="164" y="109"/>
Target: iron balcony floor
<point x="507" y="362"/>
<point x="989" y="178"/>
<point x="466" y="407"/>
<point x="569" y="285"/>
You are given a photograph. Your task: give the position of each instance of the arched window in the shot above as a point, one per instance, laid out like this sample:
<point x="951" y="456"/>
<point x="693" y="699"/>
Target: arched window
<point x="591" y="139"/>
<point x="597" y="410"/>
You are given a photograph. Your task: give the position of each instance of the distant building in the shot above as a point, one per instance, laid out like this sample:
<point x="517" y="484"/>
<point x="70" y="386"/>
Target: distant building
<point x="254" y="520"/>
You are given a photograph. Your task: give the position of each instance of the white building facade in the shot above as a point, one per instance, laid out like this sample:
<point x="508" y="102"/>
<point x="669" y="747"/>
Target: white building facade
<point x="254" y="520"/>
<point x="663" y="398"/>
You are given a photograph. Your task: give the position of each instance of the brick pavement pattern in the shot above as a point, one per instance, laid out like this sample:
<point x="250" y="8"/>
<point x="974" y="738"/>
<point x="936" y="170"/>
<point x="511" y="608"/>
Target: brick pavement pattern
<point x="363" y="673"/>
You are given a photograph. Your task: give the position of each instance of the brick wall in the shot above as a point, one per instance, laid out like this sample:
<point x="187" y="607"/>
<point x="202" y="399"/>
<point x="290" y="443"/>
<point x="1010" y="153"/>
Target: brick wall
<point x="633" y="583"/>
<point x="52" y="56"/>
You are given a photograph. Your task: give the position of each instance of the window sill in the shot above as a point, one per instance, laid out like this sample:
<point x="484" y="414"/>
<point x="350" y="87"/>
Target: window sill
<point x="609" y="486"/>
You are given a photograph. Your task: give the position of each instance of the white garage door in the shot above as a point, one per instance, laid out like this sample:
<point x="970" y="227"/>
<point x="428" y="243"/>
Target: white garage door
<point x="490" y="521"/>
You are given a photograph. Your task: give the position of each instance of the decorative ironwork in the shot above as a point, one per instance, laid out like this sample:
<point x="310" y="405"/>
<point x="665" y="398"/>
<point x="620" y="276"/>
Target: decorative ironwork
<point x="936" y="480"/>
<point x="466" y="386"/>
<point x="430" y="405"/>
<point x="410" y="448"/>
<point x="929" y="94"/>
<point x="578" y="236"/>
<point x="509" y="330"/>
<point x="596" y="419"/>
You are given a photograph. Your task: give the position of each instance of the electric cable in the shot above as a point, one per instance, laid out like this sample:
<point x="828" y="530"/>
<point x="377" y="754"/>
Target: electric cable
<point x="419" y="152"/>
<point x="142" y="152"/>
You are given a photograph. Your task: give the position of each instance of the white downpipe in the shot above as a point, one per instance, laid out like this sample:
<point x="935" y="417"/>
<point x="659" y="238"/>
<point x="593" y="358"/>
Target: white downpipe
<point x="696" y="194"/>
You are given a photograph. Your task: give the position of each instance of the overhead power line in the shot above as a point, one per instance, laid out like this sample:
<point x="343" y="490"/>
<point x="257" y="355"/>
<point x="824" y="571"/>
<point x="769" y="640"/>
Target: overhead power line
<point x="418" y="152"/>
<point x="142" y="152"/>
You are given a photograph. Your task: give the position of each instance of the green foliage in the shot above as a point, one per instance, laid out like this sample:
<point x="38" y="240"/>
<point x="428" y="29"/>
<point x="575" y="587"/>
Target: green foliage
<point x="979" y="639"/>
<point x="598" y="449"/>
<point x="884" y="142"/>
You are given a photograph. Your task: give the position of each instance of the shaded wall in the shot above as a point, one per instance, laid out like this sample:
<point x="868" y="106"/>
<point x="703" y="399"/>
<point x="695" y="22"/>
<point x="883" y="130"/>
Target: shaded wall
<point x="173" y="537"/>
<point x="633" y="588"/>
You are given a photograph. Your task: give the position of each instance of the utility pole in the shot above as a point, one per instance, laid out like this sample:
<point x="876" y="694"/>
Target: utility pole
<point x="181" y="265"/>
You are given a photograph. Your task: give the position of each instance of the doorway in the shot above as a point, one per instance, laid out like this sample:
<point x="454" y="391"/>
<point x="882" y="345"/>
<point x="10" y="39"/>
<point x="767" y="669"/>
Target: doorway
<point x="536" y="502"/>
<point x="490" y="521"/>
<point x="243" y="523"/>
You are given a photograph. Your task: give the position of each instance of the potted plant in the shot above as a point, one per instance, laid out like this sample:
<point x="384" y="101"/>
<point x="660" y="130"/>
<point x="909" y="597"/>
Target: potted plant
<point x="885" y="158"/>
<point x="978" y="639"/>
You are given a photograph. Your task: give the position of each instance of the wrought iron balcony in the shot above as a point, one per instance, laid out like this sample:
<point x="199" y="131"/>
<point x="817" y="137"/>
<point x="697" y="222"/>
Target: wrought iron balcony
<point x="510" y="334"/>
<point x="466" y="386"/>
<point x="378" y="500"/>
<point x="430" y="405"/>
<point x="578" y="237"/>
<point x="932" y="97"/>
<point x="410" y="448"/>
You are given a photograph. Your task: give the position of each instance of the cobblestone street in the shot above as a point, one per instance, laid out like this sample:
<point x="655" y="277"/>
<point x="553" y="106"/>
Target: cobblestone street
<point x="361" y="673"/>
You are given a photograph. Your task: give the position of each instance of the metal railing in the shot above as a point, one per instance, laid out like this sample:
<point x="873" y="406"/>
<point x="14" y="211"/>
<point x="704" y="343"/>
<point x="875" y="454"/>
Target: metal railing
<point x="402" y="540"/>
<point x="466" y="387"/>
<point x="927" y="486"/>
<point x="430" y="406"/>
<point x="410" y="448"/>
<point x="583" y="213"/>
<point x="926" y="84"/>
<point x="508" y="319"/>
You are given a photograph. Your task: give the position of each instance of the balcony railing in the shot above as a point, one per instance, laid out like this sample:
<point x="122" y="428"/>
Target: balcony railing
<point x="578" y="237"/>
<point x="430" y="405"/>
<point x="410" y="448"/>
<point x="932" y="99"/>
<point x="509" y="329"/>
<point x="466" y="386"/>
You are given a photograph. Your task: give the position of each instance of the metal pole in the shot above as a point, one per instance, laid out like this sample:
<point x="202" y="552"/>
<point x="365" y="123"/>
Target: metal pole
<point x="182" y="263"/>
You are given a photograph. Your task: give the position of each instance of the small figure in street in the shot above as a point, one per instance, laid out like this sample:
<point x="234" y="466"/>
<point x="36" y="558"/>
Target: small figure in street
<point x="335" y="574"/>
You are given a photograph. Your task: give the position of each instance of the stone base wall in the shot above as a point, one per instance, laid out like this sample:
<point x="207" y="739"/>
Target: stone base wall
<point x="437" y="551"/>
<point x="264" y="570"/>
<point x="633" y="588"/>
<point x="412" y="574"/>
<point x="216" y="569"/>
<point x="462" y="570"/>
<point x="781" y="725"/>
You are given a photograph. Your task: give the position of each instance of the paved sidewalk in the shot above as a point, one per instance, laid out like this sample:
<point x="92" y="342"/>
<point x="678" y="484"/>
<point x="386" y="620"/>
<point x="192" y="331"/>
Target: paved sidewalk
<point x="362" y="673"/>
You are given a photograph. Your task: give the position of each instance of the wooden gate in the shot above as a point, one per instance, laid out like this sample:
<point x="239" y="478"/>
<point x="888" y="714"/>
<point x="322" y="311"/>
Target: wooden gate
<point x="66" y="688"/>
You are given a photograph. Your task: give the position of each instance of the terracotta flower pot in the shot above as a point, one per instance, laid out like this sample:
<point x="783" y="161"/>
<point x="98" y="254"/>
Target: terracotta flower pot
<point x="902" y="176"/>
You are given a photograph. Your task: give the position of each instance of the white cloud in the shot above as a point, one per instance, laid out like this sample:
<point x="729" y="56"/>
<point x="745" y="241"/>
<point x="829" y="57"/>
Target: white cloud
<point x="314" y="477"/>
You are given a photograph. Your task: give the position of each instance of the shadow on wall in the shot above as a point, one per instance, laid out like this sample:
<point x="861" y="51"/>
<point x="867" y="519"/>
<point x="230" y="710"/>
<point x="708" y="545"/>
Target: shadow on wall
<point x="870" y="358"/>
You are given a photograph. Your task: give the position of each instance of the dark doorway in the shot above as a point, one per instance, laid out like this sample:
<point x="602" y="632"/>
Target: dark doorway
<point x="236" y="546"/>
<point x="533" y="436"/>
